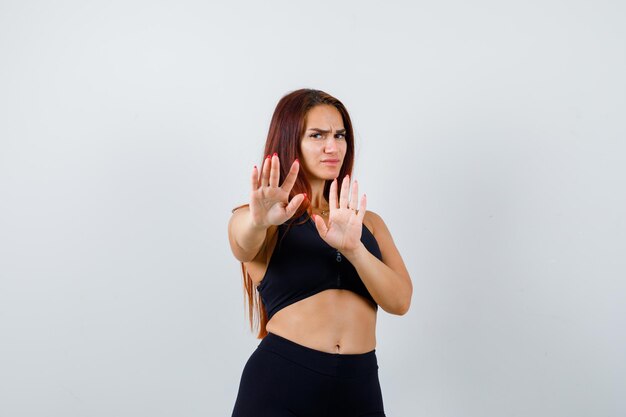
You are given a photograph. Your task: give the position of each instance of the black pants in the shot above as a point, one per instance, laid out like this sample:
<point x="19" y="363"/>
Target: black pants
<point x="286" y="379"/>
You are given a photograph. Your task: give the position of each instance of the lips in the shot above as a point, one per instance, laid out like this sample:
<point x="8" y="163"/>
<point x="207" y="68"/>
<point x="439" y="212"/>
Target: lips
<point x="330" y="161"/>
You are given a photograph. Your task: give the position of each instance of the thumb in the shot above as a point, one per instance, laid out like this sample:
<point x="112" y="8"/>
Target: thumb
<point x="294" y="204"/>
<point x="320" y="225"/>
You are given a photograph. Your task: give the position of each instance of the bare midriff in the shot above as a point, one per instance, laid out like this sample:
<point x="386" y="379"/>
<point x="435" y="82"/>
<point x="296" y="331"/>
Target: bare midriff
<point x="333" y="321"/>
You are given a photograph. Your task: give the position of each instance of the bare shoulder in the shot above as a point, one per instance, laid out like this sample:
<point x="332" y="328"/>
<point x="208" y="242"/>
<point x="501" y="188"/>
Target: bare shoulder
<point x="389" y="251"/>
<point x="237" y="214"/>
<point x="239" y="210"/>
<point x="373" y="221"/>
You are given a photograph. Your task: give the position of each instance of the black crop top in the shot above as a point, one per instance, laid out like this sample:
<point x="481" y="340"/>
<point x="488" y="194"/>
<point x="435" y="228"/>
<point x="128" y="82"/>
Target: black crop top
<point x="302" y="265"/>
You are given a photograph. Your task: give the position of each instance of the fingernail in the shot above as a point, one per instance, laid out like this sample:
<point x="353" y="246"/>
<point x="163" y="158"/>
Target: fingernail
<point x="275" y="154"/>
<point x="304" y="195"/>
<point x="267" y="156"/>
<point x="255" y="167"/>
<point x="297" y="160"/>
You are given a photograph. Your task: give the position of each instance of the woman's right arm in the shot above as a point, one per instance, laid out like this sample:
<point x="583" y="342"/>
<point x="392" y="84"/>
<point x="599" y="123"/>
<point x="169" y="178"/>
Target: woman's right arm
<point x="246" y="238"/>
<point x="269" y="206"/>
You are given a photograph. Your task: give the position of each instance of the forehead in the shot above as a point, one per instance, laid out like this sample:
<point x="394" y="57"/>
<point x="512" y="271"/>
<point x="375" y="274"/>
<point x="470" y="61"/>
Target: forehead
<point x="324" y="115"/>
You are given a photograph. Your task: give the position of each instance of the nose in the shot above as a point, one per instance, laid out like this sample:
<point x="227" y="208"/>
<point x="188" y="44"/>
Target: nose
<point x="331" y="145"/>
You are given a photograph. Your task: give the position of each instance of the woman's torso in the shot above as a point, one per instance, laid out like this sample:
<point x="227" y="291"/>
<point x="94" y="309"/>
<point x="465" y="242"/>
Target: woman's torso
<point x="334" y="320"/>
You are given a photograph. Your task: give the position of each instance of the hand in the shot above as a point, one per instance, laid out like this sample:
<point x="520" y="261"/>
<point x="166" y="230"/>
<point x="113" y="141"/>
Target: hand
<point x="269" y="203"/>
<point x="345" y="224"/>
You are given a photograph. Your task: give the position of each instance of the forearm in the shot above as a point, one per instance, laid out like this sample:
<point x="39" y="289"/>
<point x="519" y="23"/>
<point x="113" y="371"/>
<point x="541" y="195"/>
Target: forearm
<point x="246" y="238"/>
<point x="391" y="290"/>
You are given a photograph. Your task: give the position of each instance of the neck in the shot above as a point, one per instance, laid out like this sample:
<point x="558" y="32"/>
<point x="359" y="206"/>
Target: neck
<point x="317" y="198"/>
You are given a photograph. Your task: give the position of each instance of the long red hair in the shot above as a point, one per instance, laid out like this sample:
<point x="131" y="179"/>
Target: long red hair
<point x="284" y="136"/>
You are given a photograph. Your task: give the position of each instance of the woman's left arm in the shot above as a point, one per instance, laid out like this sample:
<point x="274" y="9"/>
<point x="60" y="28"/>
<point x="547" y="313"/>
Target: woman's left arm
<point x="387" y="281"/>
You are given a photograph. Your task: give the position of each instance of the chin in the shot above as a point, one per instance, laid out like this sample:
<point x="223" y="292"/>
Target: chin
<point x="327" y="177"/>
<point x="331" y="176"/>
<point x="327" y="174"/>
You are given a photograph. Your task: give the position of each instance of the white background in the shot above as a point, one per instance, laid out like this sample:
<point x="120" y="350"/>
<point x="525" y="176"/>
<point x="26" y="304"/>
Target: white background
<point x="490" y="138"/>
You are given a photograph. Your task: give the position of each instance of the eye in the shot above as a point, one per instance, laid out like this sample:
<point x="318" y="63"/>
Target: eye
<point x="315" y="135"/>
<point x="340" y="136"/>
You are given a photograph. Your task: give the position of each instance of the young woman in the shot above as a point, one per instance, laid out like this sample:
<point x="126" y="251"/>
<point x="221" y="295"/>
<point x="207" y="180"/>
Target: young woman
<point x="322" y="265"/>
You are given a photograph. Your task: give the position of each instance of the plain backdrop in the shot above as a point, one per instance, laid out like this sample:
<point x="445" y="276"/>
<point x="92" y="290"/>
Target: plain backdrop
<point x="490" y="138"/>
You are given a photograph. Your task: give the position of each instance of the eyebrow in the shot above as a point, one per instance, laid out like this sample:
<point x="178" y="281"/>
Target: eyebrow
<point x="326" y="131"/>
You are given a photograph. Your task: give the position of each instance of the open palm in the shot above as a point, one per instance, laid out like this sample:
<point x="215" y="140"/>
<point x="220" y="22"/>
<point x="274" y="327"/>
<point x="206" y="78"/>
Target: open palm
<point x="269" y="202"/>
<point x="345" y="223"/>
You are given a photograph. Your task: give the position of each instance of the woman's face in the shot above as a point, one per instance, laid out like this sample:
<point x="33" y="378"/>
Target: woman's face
<point x="323" y="145"/>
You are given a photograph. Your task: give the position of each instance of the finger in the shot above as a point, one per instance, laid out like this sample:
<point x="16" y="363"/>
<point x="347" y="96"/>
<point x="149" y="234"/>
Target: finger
<point x="291" y="177"/>
<point x="255" y="178"/>
<point x="265" y="176"/>
<point x="320" y="225"/>
<point x="354" y="196"/>
<point x="345" y="189"/>
<point x="294" y="204"/>
<point x="332" y="195"/>
<point x="274" y="170"/>
<point x="361" y="214"/>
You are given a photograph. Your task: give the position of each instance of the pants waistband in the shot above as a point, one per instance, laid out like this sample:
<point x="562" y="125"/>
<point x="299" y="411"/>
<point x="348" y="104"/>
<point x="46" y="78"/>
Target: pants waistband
<point x="332" y="364"/>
